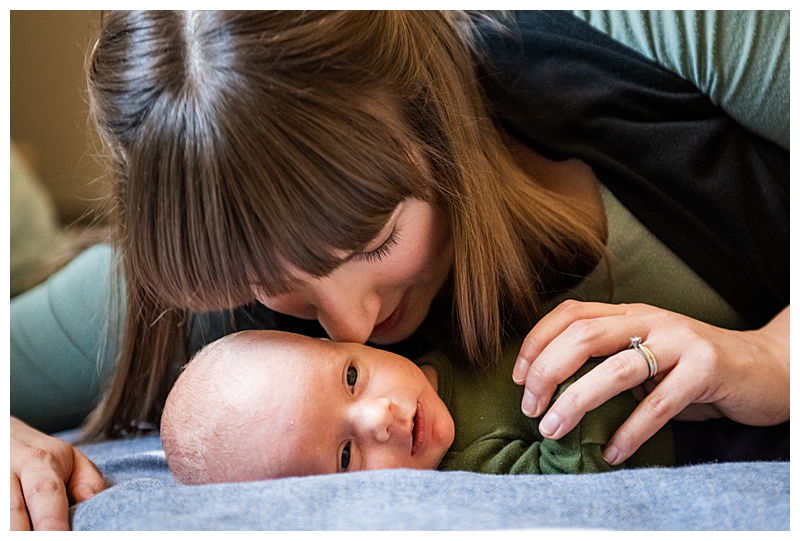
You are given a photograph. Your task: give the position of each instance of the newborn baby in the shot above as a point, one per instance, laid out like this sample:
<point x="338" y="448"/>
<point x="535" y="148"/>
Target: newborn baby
<point x="260" y="405"/>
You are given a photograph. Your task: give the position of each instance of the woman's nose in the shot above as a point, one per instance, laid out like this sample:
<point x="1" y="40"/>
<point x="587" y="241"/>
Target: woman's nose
<point x="346" y="306"/>
<point x="347" y="313"/>
<point x="373" y="418"/>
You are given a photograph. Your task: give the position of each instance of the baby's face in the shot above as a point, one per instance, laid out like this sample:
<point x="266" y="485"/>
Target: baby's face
<point x="345" y="407"/>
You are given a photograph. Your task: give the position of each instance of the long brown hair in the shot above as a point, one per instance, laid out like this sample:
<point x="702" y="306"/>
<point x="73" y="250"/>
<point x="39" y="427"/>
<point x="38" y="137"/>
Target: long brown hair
<point x="241" y="142"/>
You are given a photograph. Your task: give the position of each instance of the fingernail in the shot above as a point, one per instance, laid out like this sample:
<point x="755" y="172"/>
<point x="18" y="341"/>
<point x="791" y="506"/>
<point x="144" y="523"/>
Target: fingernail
<point x="550" y="424"/>
<point x="529" y="403"/>
<point x="521" y="371"/>
<point x="611" y="455"/>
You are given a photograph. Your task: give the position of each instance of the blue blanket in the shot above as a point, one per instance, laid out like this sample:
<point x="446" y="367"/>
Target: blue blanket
<point x="724" y="496"/>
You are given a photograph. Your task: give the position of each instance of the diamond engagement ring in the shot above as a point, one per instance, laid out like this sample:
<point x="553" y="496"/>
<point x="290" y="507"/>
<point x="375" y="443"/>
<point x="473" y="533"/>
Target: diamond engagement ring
<point x="652" y="365"/>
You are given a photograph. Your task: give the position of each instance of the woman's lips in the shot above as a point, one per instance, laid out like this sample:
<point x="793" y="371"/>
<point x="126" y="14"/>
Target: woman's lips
<point x="419" y="432"/>
<point x="390" y="323"/>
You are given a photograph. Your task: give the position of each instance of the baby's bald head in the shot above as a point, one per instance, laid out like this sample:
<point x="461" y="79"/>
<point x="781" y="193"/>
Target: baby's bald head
<point x="209" y="414"/>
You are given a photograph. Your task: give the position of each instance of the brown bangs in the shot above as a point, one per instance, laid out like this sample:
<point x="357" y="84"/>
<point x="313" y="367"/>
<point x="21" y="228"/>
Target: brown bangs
<point x="252" y="147"/>
<point x="331" y="180"/>
<point x="252" y="192"/>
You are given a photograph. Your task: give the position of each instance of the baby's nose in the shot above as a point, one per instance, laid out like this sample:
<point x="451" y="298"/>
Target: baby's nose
<point x="374" y="417"/>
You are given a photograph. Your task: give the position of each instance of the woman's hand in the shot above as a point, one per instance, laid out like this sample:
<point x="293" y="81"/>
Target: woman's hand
<point x="743" y="375"/>
<point x="46" y="475"/>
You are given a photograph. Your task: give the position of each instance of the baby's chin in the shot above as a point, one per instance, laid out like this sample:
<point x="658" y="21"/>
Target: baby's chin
<point x="450" y="434"/>
<point x="444" y="433"/>
<point x="443" y="447"/>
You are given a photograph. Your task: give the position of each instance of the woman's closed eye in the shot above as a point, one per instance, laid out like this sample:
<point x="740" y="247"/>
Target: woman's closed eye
<point x="381" y="251"/>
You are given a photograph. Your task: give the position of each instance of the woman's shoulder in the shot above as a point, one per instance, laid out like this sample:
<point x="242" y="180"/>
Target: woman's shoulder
<point x="739" y="58"/>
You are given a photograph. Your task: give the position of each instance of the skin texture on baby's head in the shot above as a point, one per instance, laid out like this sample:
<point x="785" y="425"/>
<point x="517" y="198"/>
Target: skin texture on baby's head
<point x="260" y="405"/>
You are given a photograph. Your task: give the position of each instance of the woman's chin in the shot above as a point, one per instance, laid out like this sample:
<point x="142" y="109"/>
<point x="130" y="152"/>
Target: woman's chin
<point x="389" y="339"/>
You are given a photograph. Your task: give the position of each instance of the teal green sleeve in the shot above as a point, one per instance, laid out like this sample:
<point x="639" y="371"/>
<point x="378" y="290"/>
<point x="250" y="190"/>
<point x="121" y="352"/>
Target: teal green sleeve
<point x="740" y="59"/>
<point x="63" y="342"/>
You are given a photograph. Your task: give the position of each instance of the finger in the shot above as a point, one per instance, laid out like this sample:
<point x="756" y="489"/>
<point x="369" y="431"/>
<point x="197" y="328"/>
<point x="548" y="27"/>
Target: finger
<point x="553" y="324"/>
<point x="616" y="374"/>
<point x="46" y="499"/>
<point x="86" y="480"/>
<point x="19" y="513"/>
<point x="675" y="392"/>
<point x="568" y="351"/>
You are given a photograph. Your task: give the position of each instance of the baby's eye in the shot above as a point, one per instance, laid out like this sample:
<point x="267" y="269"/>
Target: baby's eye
<point x="346" y="457"/>
<point x="352" y="376"/>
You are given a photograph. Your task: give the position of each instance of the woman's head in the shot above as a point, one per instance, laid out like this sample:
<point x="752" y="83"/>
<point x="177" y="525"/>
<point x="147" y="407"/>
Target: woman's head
<point x="250" y="146"/>
<point x="249" y="143"/>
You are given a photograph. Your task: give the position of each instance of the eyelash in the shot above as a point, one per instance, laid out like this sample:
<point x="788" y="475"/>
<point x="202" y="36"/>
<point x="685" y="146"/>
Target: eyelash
<point x="381" y="251"/>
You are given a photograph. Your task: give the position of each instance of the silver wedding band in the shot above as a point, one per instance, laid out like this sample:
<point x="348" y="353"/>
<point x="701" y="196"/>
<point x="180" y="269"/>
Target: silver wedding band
<point x="652" y="365"/>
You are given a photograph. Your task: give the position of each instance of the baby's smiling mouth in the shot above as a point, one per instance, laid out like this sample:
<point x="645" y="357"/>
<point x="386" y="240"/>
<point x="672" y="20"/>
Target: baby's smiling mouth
<point x="418" y="430"/>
